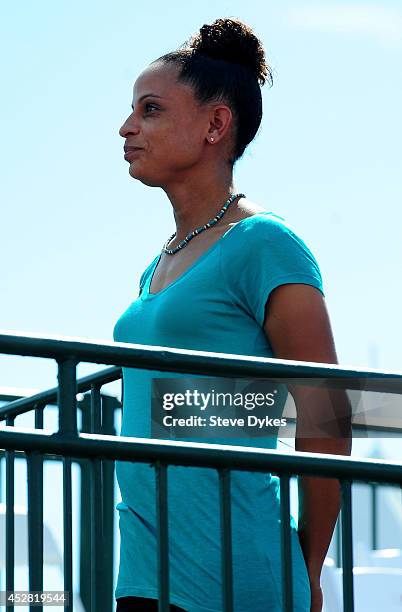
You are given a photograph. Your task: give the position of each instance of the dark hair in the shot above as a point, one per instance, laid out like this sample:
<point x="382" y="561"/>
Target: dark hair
<point x="225" y="62"/>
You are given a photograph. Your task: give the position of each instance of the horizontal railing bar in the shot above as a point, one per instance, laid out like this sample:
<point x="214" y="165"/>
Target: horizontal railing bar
<point x="365" y="427"/>
<point x="21" y="455"/>
<point x="146" y="450"/>
<point x="194" y="362"/>
<point x="49" y="396"/>
<point x="356" y="427"/>
<point x="11" y="397"/>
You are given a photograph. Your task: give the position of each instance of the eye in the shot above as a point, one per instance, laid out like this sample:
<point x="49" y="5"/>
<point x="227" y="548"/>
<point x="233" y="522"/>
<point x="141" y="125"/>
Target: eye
<point x="148" y="104"/>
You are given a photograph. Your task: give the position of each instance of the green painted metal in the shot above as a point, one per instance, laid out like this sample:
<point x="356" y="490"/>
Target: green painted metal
<point x="286" y="550"/>
<point x="66" y="397"/>
<point x="35" y="522"/>
<point x="85" y="532"/>
<point x="338" y="544"/>
<point x="347" y="546"/>
<point x="98" y="599"/>
<point x="99" y="451"/>
<point x="162" y="532"/>
<point x="67" y="531"/>
<point x="198" y="362"/>
<point x="97" y="502"/>
<point x="96" y="416"/>
<point x="67" y="429"/>
<point x="226" y="539"/>
<point x="20" y="405"/>
<point x="35" y="513"/>
<point x="10" y="535"/>
<point x="96" y="529"/>
<point x="194" y="454"/>
<point x="109" y="405"/>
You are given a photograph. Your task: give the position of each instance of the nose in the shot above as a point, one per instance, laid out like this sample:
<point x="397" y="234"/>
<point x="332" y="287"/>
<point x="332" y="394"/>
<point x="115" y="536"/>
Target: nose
<point x="128" y="127"/>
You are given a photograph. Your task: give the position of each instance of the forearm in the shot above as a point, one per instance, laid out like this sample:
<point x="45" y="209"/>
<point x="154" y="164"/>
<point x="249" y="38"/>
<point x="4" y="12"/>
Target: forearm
<point x="319" y="498"/>
<point x="319" y="504"/>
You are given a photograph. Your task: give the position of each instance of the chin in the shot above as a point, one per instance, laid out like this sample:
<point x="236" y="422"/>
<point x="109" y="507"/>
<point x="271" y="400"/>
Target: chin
<point x="135" y="172"/>
<point x="150" y="181"/>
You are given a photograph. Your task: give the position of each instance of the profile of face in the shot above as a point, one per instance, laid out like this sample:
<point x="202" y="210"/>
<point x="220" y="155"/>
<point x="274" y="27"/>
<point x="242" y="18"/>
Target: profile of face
<point x="170" y="127"/>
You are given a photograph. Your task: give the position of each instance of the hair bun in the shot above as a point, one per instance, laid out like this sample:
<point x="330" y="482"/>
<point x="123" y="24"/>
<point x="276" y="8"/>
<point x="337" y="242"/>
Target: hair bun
<point x="234" y="41"/>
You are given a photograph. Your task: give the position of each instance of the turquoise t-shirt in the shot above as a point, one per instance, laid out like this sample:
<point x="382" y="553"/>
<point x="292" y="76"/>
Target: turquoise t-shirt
<point x="216" y="305"/>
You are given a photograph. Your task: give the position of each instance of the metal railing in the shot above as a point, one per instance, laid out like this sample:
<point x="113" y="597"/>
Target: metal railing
<point x="102" y="497"/>
<point x="95" y="447"/>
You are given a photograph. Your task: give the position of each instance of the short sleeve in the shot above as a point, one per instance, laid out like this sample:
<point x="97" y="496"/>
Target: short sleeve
<point x="267" y="254"/>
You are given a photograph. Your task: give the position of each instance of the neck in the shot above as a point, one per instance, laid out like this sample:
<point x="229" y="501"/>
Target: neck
<point x="194" y="204"/>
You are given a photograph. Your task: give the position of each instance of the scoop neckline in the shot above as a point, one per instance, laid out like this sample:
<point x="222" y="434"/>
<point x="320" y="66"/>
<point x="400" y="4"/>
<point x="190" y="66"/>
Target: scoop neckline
<point x="145" y="295"/>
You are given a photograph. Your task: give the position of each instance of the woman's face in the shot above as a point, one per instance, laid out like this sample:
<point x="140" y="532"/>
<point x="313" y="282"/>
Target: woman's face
<point x="168" y="125"/>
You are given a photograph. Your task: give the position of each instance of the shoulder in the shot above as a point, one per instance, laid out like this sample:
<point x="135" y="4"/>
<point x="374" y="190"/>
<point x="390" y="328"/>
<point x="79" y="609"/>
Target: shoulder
<point x="268" y="223"/>
<point x="267" y="245"/>
<point x="269" y="228"/>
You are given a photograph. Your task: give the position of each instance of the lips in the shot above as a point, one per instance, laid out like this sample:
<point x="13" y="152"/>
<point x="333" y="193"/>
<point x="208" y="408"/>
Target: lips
<point x="131" y="152"/>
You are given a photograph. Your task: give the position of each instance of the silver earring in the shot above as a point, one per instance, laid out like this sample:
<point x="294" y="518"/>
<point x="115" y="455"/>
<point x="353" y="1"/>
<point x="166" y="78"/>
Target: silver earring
<point x="212" y="139"/>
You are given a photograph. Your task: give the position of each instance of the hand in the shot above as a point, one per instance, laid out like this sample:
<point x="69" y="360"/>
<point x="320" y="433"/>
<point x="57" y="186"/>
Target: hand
<point x="316" y="597"/>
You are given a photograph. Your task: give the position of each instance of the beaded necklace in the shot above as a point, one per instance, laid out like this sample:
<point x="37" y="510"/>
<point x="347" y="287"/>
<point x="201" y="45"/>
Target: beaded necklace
<point x="198" y="230"/>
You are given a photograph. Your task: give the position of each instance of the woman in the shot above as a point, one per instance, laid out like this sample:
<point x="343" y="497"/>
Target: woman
<point x="233" y="278"/>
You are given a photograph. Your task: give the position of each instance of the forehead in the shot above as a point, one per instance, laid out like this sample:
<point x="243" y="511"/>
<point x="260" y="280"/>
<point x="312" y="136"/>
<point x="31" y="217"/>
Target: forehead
<point x="161" y="79"/>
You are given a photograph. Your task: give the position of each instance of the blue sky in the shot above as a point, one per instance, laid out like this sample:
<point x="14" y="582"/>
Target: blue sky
<point x="77" y="230"/>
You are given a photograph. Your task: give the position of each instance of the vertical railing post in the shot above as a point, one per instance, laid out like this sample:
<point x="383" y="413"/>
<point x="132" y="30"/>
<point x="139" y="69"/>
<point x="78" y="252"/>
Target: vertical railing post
<point x="88" y="406"/>
<point x="338" y="543"/>
<point x="66" y="397"/>
<point x="109" y="405"/>
<point x="347" y="547"/>
<point x="85" y="511"/>
<point x="67" y="532"/>
<point x="10" y="533"/>
<point x="226" y="539"/>
<point x="286" y="549"/>
<point x="162" y="536"/>
<point x="35" y="514"/>
<point x="98" y="602"/>
<point x="374" y="515"/>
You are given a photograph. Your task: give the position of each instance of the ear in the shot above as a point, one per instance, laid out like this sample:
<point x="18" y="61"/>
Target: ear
<point x="221" y="119"/>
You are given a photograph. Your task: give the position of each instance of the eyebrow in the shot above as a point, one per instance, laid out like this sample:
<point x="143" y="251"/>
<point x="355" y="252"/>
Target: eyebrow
<point x="146" y="96"/>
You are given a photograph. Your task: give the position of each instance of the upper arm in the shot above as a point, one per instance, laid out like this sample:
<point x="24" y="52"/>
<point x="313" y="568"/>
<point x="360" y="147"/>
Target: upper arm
<point x="298" y="328"/>
<point x="297" y="324"/>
